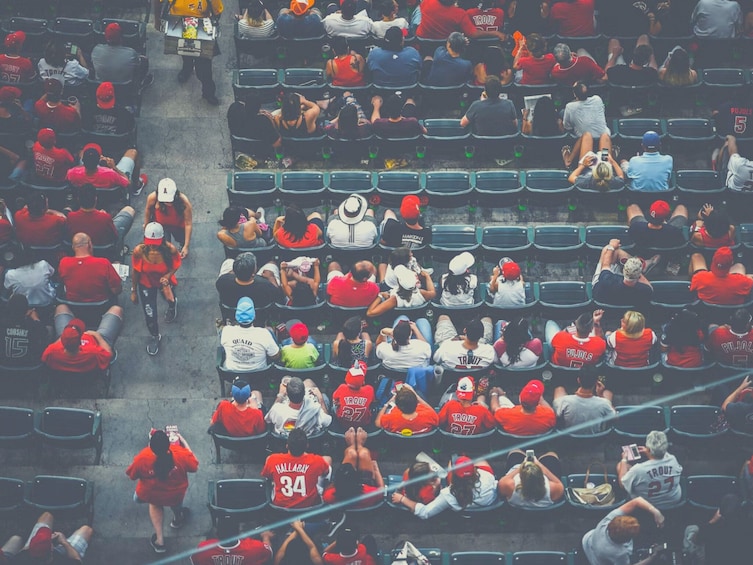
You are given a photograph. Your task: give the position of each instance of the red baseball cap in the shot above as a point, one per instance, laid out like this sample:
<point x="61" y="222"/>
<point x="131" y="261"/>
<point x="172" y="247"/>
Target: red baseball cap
<point x="465" y="388"/>
<point x="15" y="39"/>
<point x="410" y="208"/>
<point x="71" y="336"/>
<point x="8" y="94"/>
<point x="511" y="271"/>
<point x="722" y="261"/>
<point x="532" y="393"/>
<point x="299" y="333"/>
<point x="46" y="138"/>
<point x="106" y="96"/>
<point x="41" y="544"/>
<point x="356" y="375"/>
<point x="113" y="33"/>
<point x="463" y="467"/>
<point x="659" y="211"/>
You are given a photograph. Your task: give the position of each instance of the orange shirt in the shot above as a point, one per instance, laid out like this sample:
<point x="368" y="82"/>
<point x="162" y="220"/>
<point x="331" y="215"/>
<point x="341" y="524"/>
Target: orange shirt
<point x="239" y="423"/>
<point x="515" y="421"/>
<point x="169" y="492"/>
<point x="465" y="421"/>
<point x="732" y="289"/>
<point x="425" y="421"/>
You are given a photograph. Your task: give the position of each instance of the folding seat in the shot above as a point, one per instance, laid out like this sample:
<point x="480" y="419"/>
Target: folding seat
<point x="495" y="146"/>
<point x="251" y="445"/>
<point x="457" y="443"/>
<point x="227" y="311"/>
<point x="539" y="558"/>
<point x="79" y="32"/>
<point x="398" y="443"/>
<point x="638" y="96"/>
<point x="240" y="499"/>
<point x="16" y="427"/>
<point x="629" y="133"/>
<point x="673" y="99"/>
<point x="721" y="84"/>
<point x="427" y="46"/>
<point x="497" y="188"/>
<point x="681" y="378"/>
<point x="506" y="241"/>
<point x="687" y="133"/>
<point x="450" y="239"/>
<point x="308" y="147"/>
<point x="392" y="186"/>
<point x="744" y="234"/>
<point x="446" y="137"/>
<point x="598" y="236"/>
<point x="277" y="443"/>
<point x="263" y="82"/>
<point x="341" y="184"/>
<point x="257" y="47"/>
<point x="583" y="437"/>
<point x="303" y="188"/>
<point x="460" y="313"/>
<point x="293" y="50"/>
<point x="310" y="315"/>
<point x="514" y="440"/>
<point x="111" y="143"/>
<point x="343" y="149"/>
<point x="696" y="187"/>
<point x="309" y="82"/>
<point x="565" y="298"/>
<point x="133" y="33"/>
<point x="706" y="491"/>
<point x="70" y="428"/>
<point x="634" y="422"/>
<point x="336" y="433"/>
<point x="670" y="296"/>
<point x="695" y="425"/>
<point x="536" y="145"/>
<point x="478" y="558"/>
<point x="580" y="481"/>
<point x="62" y="496"/>
<point x="57" y="195"/>
<point x="251" y="188"/>
<point x="433" y="554"/>
<point x="253" y="147"/>
<point x="37" y="34"/>
<point x="625" y="379"/>
<point x="558" y="243"/>
<point x="447" y="189"/>
<point x="312" y="373"/>
<point x="548" y="186"/>
<point x="12" y="494"/>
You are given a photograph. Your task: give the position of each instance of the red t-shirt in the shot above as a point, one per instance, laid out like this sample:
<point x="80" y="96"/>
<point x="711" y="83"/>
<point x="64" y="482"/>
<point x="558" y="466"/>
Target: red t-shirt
<point x="248" y="422"/>
<point x="360" y="557"/>
<point x="295" y="479"/>
<point x="329" y="496"/>
<point x="243" y="552"/>
<point x="731" y="289"/>
<point x="572" y="351"/>
<point x="573" y="19"/>
<point x="583" y="69"/>
<point x="515" y="421"/>
<point x="707" y="241"/>
<point x="61" y="118"/>
<point x="51" y="164"/>
<point x="439" y="21"/>
<point x="426" y="493"/>
<point x="104" y="177"/>
<point x="730" y="348"/>
<point x="88" y="279"/>
<point x="344" y="291"/>
<point x="16" y="69"/>
<point x="47" y="229"/>
<point x="169" y="492"/>
<point x="465" y="420"/>
<point x="97" y="224"/>
<point x="425" y="421"/>
<point x="6" y="230"/>
<point x="536" y="71"/>
<point x="90" y="356"/>
<point x="690" y="356"/>
<point x="353" y="406"/>
<point x="487" y="20"/>
<point x="632" y="352"/>
<point x="311" y="238"/>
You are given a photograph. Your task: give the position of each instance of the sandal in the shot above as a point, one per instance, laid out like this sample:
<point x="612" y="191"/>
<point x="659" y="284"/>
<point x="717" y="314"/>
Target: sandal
<point x="566" y="150"/>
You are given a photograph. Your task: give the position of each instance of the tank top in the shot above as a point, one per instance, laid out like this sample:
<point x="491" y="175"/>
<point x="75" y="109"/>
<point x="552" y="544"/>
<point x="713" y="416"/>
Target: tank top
<point x="170" y="218"/>
<point x="298" y="130"/>
<point x="516" y="498"/>
<point x="151" y="273"/>
<point x="344" y="73"/>
<point x="240" y="241"/>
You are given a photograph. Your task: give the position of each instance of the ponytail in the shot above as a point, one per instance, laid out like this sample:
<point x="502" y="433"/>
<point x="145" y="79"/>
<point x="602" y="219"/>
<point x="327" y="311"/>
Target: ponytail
<point x="160" y="446"/>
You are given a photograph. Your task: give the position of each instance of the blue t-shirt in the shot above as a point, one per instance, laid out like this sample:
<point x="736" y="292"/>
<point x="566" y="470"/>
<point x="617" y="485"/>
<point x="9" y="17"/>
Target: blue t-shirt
<point x="650" y="172"/>
<point x="447" y="70"/>
<point x="309" y="25"/>
<point x="391" y="68"/>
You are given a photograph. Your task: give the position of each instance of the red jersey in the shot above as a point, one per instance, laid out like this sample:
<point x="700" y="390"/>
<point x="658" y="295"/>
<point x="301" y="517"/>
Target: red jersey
<point x="243" y="552"/>
<point x="731" y="289"/>
<point x="465" y="420"/>
<point x="731" y="348"/>
<point x="169" y="492"/>
<point x="632" y="352"/>
<point x="353" y="406"/>
<point x="345" y="291"/>
<point x="295" y="480"/>
<point x="329" y="496"/>
<point x="707" y="241"/>
<point x="51" y="164"/>
<point x="514" y="421"/>
<point x="15" y="69"/>
<point x="439" y="21"/>
<point x="88" y="279"/>
<point x="248" y="422"/>
<point x="97" y="224"/>
<point x="47" y="229"/>
<point x="360" y="557"/>
<point x="311" y="238"/>
<point x="571" y="351"/>
<point x="90" y="356"/>
<point x="61" y="118"/>
<point x="103" y="177"/>
<point x="487" y="20"/>
<point x="690" y="356"/>
<point x="573" y="19"/>
<point x="583" y="69"/>
<point x="536" y="71"/>
<point x="425" y="421"/>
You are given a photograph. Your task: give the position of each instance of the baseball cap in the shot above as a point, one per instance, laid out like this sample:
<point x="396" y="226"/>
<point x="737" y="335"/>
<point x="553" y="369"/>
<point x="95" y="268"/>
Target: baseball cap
<point x="410" y="208"/>
<point x="461" y="263"/>
<point x="722" y="261"/>
<point x="41" y="544"/>
<point x="91" y="154"/>
<point x="353" y="209"/>
<point x="46" y="137"/>
<point x="245" y="312"/>
<point x="154" y="233"/>
<point x="106" y="96"/>
<point x="8" y="94"/>
<point x="241" y="391"/>
<point x="632" y="269"/>
<point x="300" y="7"/>
<point x="405" y="277"/>
<point x="651" y="140"/>
<point x="356" y="375"/>
<point x="532" y="392"/>
<point x="166" y="190"/>
<point x="463" y="467"/>
<point x="53" y="86"/>
<point x="113" y="32"/>
<point x="71" y="335"/>
<point x="510" y="271"/>
<point x="465" y="388"/>
<point x="659" y="211"/>
<point x="15" y="39"/>
<point x="299" y="333"/>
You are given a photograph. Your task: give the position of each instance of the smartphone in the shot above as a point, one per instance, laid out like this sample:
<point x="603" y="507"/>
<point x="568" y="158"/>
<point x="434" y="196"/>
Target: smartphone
<point x="530" y="454"/>
<point x="658" y="548"/>
<point x="604" y="155"/>
<point x="631" y="452"/>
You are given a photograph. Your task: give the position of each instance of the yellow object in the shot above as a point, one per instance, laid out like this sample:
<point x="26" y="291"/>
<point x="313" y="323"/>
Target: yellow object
<point x="196" y="8"/>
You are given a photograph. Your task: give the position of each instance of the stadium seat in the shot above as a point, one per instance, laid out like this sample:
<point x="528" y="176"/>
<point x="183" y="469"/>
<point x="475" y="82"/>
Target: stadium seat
<point x="744" y="234"/>
<point x="447" y="189"/>
<point x="539" y="558"/>
<point x="446" y="137"/>
<point x="57" y="195"/>
<point x="16" y="427"/>
<point x="227" y="312"/>
<point x="392" y="186"/>
<point x="558" y="242"/>
<point x="309" y="82"/>
<point x="90" y="312"/>
<point x="567" y="297"/>
<point x="477" y="443"/>
<point x="237" y="498"/>
<point x="303" y="188"/>
<point x="277" y="443"/>
<point x="263" y="82"/>
<point x="450" y="239"/>
<point x="133" y="33"/>
<point x="510" y="440"/>
<point x="37" y="34"/>
<point x="341" y="184"/>
<point x="495" y="146"/>
<point x="253" y="147"/>
<point x="63" y="496"/>
<point x="12" y="495"/>
<point x="629" y="132"/>
<point x="408" y="443"/>
<point x="706" y="491"/>
<point x="433" y="554"/>
<point x="598" y="236"/>
<point x="76" y="31"/>
<point x="257" y="47"/>
<point x="127" y="94"/>
<point x="506" y="241"/>
<point x="634" y="422"/>
<point x="580" y="481"/>
<point x="671" y="296"/>
<point x="690" y="132"/>
<point x="70" y="428"/>
<point x="294" y="50"/>
<point x="547" y="186"/>
<point x="251" y="188"/>
<point x="696" y="187"/>
<point x="252" y="445"/>
<point x="502" y="186"/>
<point x="477" y="558"/>
<point x="680" y="378"/>
<point x="695" y="425"/>
<point x="111" y="143"/>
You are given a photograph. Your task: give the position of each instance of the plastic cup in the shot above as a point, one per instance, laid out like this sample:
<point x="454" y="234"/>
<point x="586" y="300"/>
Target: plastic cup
<point x="326" y="152"/>
<point x="279" y="156"/>
<point x="72" y="100"/>
<point x="373" y="151"/>
<point x="470" y="151"/>
<point x="420" y="151"/>
<point x="518" y="150"/>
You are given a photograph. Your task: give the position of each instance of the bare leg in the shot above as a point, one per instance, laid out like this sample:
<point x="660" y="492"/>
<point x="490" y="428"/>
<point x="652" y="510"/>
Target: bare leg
<point x="156" y="515"/>
<point x="605" y="142"/>
<point x="697" y="263"/>
<point x="643" y="40"/>
<point x="632" y="211"/>
<point x="738" y="268"/>
<point x="559" y="391"/>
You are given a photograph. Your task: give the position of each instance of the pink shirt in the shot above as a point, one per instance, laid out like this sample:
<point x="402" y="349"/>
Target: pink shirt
<point x="105" y="177"/>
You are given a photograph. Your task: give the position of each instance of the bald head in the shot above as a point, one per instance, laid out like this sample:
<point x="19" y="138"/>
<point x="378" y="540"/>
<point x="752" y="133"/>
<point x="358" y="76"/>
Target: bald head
<point x="362" y="270"/>
<point x="81" y="244"/>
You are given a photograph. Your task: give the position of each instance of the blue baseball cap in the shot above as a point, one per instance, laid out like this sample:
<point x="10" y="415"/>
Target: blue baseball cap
<point x="651" y="140"/>
<point x="245" y="311"/>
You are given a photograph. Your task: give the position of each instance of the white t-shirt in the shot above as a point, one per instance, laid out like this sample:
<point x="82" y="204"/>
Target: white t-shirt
<point x="485" y="494"/>
<point x="33" y="281"/>
<point x="527" y="359"/>
<point x="362" y="234"/>
<point x="283" y="418"/>
<point x="509" y="293"/>
<point x="380" y="28"/>
<point x="656" y="480"/>
<point x="266" y="29"/>
<point x="359" y="26"/>
<point x="416" y="299"/>
<point x="739" y="173"/>
<point x="71" y="73"/>
<point x="599" y="547"/>
<point x="247" y="349"/>
<point x="461" y="299"/>
<point x="452" y="355"/>
<point x="416" y="354"/>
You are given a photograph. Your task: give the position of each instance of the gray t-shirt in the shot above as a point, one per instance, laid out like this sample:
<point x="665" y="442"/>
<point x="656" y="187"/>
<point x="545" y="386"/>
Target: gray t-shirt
<point x="492" y="117"/>
<point x="599" y="547"/>
<point x="656" y="480"/>
<point x="114" y="63"/>
<point x="573" y="410"/>
<point x="586" y="116"/>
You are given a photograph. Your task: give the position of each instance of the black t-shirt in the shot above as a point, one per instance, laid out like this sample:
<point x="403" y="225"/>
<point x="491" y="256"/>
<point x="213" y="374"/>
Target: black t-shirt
<point x="624" y="75"/>
<point x="667" y="236"/>
<point x="735" y="119"/>
<point x="258" y="126"/>
<point x="727" y="541"/>
<point x="610" y="289"/>
<point x="261" y="291"/>
<point x="23" y="343"/>
<point x="623" y="19"/>
<point x="397" y="234"/>
<point x="113" y="121"/>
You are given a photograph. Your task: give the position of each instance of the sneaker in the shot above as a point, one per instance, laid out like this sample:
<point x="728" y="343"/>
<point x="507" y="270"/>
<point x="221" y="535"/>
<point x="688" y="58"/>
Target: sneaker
<point x="172" y="312"/>
<point x="212" y="99"/>
<point x="157" y="547"/>
<point x="183" y="77"/>
<point x="152" y="347"/>
<point x="336" y="525"/>
<point x="148" y="81"/>
<point x="143" y="180"/>
<point x="178" y="521"/>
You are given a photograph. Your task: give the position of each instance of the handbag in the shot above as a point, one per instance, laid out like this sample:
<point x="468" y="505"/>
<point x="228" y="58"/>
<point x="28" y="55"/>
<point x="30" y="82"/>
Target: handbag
<point x="407" y="554"/>
<point x="599" y="495"/>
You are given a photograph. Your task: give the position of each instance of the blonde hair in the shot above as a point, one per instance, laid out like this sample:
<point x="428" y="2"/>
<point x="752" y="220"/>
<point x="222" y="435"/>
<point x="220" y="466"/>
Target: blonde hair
<point x="602" y="175"/>
<point x="634" y="322"/>
<point x="532" y="484"/>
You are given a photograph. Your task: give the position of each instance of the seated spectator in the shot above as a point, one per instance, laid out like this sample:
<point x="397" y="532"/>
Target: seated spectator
<point x="585" y="114"/>
<point x="354" y="289"/>
<point x="725" y="283"/>
<point x="247" y="348"/>
<point x="723" y="537"/>
<point x="352" y="224"/>
<point x="591" y="404"/>
<point x="64" y="62"/>
<point x="732" y="344"/>
<point x="439" y="18"/>
<point x="24" y="336"/>
<point x="248" y="549"/>
<point x="571" y="68"/>
<point x="108" y="118"/>
<point x="296" y="230"/>
<point x="463" y="416"/>
<point x="115" y="62"/>
<point x="516" y="347"/>
<point x="406" y="295"/>
<point x="78" y="350"/>
<point x="738" y="407"/>
<point x="297" y="117"/>
<point x="471" y="350"/>
<point x="507" y="286"/>
<point x="448" y="67"/>
<point x="632" y="344"/>
<point x="682" y="340"/>
<point x="346" y="22"/>
<point x="659" y="229"/>
<point x="410" y="232"/>
<point x="238" y="278"/>
<point x="241" y="416"/>
<point x="458" y="286"/>
<point x="493" y="63"/>
<point x="347" y="67"/>
<point x="36" y="224"/>
<point x="352" y="400"/>
<point x="300" y="280"/>
<point x="471" y="486"/>
<point x="488" y="15"/>
<point x="571" y="18"/>
<point x="731" y="117"/>
<point x="103" y="172"/>
<point x="13" y="118"/>
<point x="532" y="483"/>
<point x="533" y="416"/>
<point x="357" y="476"/>
<point x="424" y="485"/>
<point x="739" y="169"/>
<point x="51" y="163"/>
<point x="299" y="406"/>
<point x="348" y="548"/>
<point x="300" y="354"/>
<point x="544" y="120"/>
<point x="407" y="346"/>
<point x="712" y="229"/>
<point x="45" y="545"/>
<point x="11" y="166"/>
<point x="352" y="345"/>
<point x="297" y="467"/>
<point x="491" y="115"/>
<point x="533" y="60"/>
<point x="351" y="121"/>
<point x="245" y="118"/>
<point x="657" y="475"/>
<point x="256" y="22"/>
<point x="580" y="344"/>
<point x="32" y="279"/>
<point x="301" y="21"/>
<point x="649" y="171"/>
<point x="99" y="225"/>
<point x="388" y="10"/>
<point x="400" y="121"/>
<point x="394" y="64"/>
<point x="399" y="256"/>
<point x="14" y="68"/>
<point x="87" y="278"/>
<point x="717" y="19"/>
<point x="51" y="112"/>
<point x="242" y="228"/>
<point x="676" y="71"/>
<point x="642" y="70"/>
<point x="595" y="171"/>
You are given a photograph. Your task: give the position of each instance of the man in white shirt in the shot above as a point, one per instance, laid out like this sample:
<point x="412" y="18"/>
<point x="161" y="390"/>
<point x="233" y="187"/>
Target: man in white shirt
<point x="585" y="114"/>
<point x="388" y="9"/>
<point x="718" y="19"/>
<point x="346" y="23"/>
<point x="247" y="348"/>
<point x="739" y="169"/>
<point x="352" y="224"/>
<point x="299" y="404"/>
<point x="461" y="352"/>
